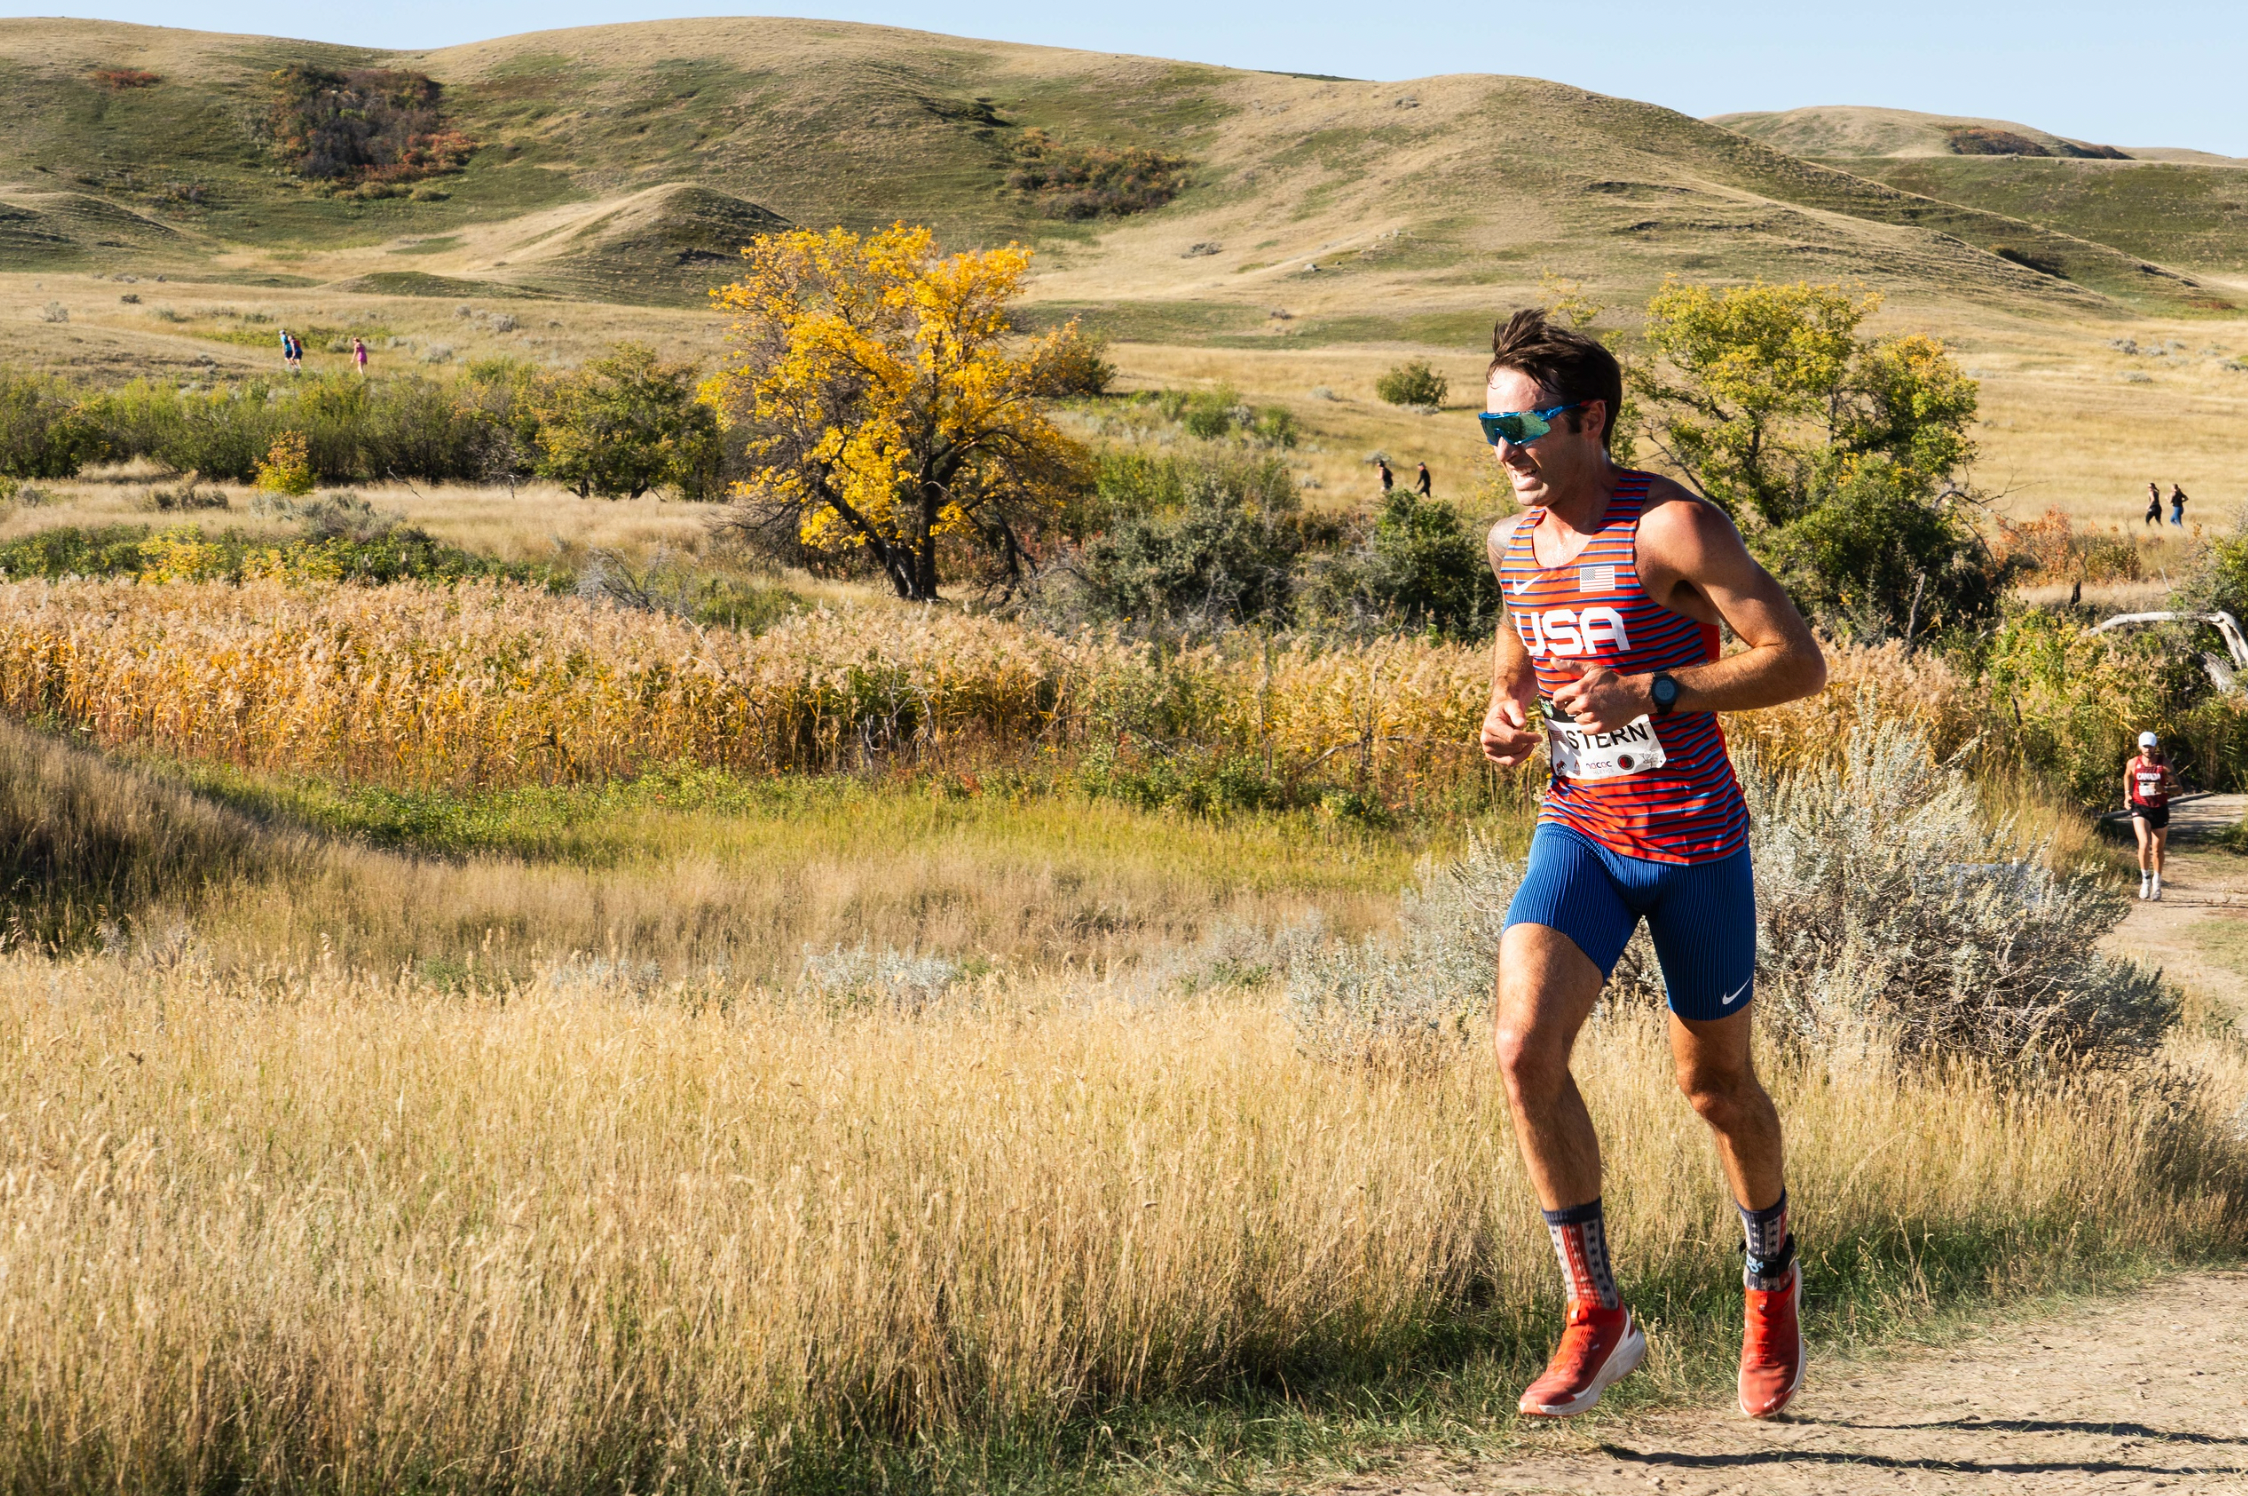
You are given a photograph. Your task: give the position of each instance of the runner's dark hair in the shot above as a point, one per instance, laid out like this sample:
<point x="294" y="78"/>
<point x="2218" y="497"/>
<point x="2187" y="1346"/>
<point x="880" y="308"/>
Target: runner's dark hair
<point x="1568" y="365"/>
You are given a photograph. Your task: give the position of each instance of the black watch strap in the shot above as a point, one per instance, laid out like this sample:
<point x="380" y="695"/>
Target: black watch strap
<point x="1664" y="688"/>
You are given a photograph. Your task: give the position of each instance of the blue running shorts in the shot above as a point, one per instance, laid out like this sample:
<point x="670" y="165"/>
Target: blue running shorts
<point x="1702" y="916"/>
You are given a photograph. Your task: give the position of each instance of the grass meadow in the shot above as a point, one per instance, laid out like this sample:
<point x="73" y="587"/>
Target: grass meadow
<point x="405" y="1106"/>
<point x="326" y="1230"/>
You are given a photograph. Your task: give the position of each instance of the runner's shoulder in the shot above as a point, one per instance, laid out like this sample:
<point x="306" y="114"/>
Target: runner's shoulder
<point x="1502" y="536"/>
<point x="1679" y="524"/>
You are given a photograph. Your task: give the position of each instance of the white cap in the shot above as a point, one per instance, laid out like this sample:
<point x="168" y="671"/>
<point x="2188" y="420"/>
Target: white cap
<point x="2148" y="740"/>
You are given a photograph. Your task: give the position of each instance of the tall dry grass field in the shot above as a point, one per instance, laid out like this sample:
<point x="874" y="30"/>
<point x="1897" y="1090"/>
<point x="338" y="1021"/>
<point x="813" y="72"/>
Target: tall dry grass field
<point x="497" y="684"/>
<point x="329" y="1233"/>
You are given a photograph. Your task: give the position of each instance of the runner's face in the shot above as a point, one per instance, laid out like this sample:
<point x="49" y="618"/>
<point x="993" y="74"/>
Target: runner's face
<point x="1557" y="463"/>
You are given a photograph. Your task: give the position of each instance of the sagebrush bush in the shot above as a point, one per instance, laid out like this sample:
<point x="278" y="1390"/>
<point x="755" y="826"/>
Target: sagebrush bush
<point x="1890" y="913"/>
<point x="1888" y="899"/>
<point x="1414" y="998"/>
<point x="904" y="980"/>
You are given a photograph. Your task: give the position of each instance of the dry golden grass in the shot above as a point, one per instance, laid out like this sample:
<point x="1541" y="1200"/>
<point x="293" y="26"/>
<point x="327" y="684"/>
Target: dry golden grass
<point x="500" y="684"/>
<point x="327" y="1232"/>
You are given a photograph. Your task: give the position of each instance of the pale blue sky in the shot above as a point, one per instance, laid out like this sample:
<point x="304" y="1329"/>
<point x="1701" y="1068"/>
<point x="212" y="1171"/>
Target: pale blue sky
<point x="2170" y="74"/>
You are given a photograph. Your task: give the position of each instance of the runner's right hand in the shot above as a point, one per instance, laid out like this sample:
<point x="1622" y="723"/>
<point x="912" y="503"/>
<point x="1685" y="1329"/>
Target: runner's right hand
<point x="1507" y="739"/>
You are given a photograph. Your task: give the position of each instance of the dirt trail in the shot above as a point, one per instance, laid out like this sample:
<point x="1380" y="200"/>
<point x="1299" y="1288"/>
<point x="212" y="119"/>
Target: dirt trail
<point x="2141" y="1392"/>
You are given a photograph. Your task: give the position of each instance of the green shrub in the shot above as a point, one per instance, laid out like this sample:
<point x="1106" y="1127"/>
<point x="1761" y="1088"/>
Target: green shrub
<point x="626" y="424"/>
<point x="1193" y="543"/>
<point x="396" y="553"/>
<point x="1420" y="565"/>
<point x="1413" y="383"/>
<point x="46" y="430"/>
<point x="354" y="430"/>
<point x="1877" y="557"/>
<point x="1093" y="181"/>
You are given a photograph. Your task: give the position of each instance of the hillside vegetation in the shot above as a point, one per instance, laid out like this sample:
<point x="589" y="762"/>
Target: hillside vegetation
<point x="2180" y="208"/>
<point x="1415" y="196"/>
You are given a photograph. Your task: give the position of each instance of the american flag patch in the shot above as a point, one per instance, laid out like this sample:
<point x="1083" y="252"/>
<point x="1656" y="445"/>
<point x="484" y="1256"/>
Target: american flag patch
<point x="1596" y="579"/>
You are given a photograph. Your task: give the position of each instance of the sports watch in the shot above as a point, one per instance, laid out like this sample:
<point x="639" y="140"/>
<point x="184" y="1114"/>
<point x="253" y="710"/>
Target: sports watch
<point x="1664" y="690"/>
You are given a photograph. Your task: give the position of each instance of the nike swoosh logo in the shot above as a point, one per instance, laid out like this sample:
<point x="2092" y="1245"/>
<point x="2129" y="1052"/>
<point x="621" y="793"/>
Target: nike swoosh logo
<point x="1735" y="995"/>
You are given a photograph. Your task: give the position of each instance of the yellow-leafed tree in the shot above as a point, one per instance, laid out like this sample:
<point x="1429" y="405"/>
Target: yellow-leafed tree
<point x="887" y="404"/>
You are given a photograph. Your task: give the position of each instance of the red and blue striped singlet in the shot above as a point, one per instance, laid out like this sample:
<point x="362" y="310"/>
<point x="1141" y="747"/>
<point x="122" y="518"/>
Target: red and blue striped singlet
<point x="1688" y="809"/>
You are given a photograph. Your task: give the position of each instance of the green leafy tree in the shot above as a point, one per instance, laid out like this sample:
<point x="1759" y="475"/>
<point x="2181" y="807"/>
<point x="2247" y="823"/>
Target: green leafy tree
<point x="1838" y="455"/>
<point x="1876" y="558"/>
<point x="625" y="424"/>
<point x="1744" y="387"/>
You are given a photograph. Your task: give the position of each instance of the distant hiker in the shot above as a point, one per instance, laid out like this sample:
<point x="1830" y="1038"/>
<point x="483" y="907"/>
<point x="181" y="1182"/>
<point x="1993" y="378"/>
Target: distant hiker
<point x="2147" y="787"/>
<point x="1389" y="479"/>
<point x="288" y="350"/>
<point x="2177" y="506"/>
<point x="1422" y="485"/>
<point x="359" y="355"/>
<point x="2154" y="503"/>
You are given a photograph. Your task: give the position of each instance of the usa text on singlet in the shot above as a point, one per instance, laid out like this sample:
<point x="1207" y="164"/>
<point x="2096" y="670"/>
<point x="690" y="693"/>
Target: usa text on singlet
<point x="1657" y="788"/>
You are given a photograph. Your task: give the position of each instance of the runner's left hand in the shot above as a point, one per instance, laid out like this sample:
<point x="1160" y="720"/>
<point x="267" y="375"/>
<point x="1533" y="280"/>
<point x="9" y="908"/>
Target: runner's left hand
<point x="1601" y="700"/>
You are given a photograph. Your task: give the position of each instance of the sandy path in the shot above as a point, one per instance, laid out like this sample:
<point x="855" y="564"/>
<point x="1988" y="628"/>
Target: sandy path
<point x="2142" y="1392"/>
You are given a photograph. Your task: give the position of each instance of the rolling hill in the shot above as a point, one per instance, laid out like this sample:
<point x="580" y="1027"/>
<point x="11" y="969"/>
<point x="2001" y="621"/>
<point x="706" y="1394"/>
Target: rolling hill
<point x="2183" y="208"/>
<point x="624" y="163"/>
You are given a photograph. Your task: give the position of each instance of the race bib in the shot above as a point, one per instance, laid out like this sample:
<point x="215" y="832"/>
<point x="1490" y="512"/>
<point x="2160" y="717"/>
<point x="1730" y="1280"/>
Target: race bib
<point x="1582" y="754"/>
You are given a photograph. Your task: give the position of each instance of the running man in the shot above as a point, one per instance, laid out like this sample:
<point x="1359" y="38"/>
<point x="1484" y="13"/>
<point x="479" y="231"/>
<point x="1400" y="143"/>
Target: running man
<point x="2177" y="506"/>
<point x="2148" y="785"/>
<point x="288" y="350"/>
<point x="1616" y="582"/>
<point x="1424" y="485"/>
<point x="2154" y="503"/>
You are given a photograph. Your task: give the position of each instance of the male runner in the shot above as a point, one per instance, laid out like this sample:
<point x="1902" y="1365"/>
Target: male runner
<point x="1615" y="583"/>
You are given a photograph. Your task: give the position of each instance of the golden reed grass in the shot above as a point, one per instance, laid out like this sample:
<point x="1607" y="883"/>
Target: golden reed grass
<point x="496" y="684"/>
<point x="328" y="1232"/>
<point x="493" y="684"/>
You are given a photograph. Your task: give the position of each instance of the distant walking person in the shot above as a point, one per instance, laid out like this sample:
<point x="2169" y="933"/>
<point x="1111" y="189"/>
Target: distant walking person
<point x="1389" y="479"/>
<point x="2154" y="503"/>
<point x="359" y="356"/>
<point x="1424" y="485"/>
<point x="2147" y="787"/>
<point x="2177" y="506"/>
<point x="288" y="350"/>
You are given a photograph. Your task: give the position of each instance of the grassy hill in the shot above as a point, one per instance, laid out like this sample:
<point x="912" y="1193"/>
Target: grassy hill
<point x="2182" y="208"/>
<point x="623" y="163"/>
<point x="1847" y="131"/>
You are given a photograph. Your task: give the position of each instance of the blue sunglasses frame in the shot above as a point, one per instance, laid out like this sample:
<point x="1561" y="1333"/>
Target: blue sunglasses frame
<point x="1521" y="427"/>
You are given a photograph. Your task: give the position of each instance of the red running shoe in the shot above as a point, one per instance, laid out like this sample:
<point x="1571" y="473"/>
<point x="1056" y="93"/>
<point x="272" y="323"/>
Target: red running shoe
<point x="1601" y="1346"/>
<point x="1772" y="1347"/>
